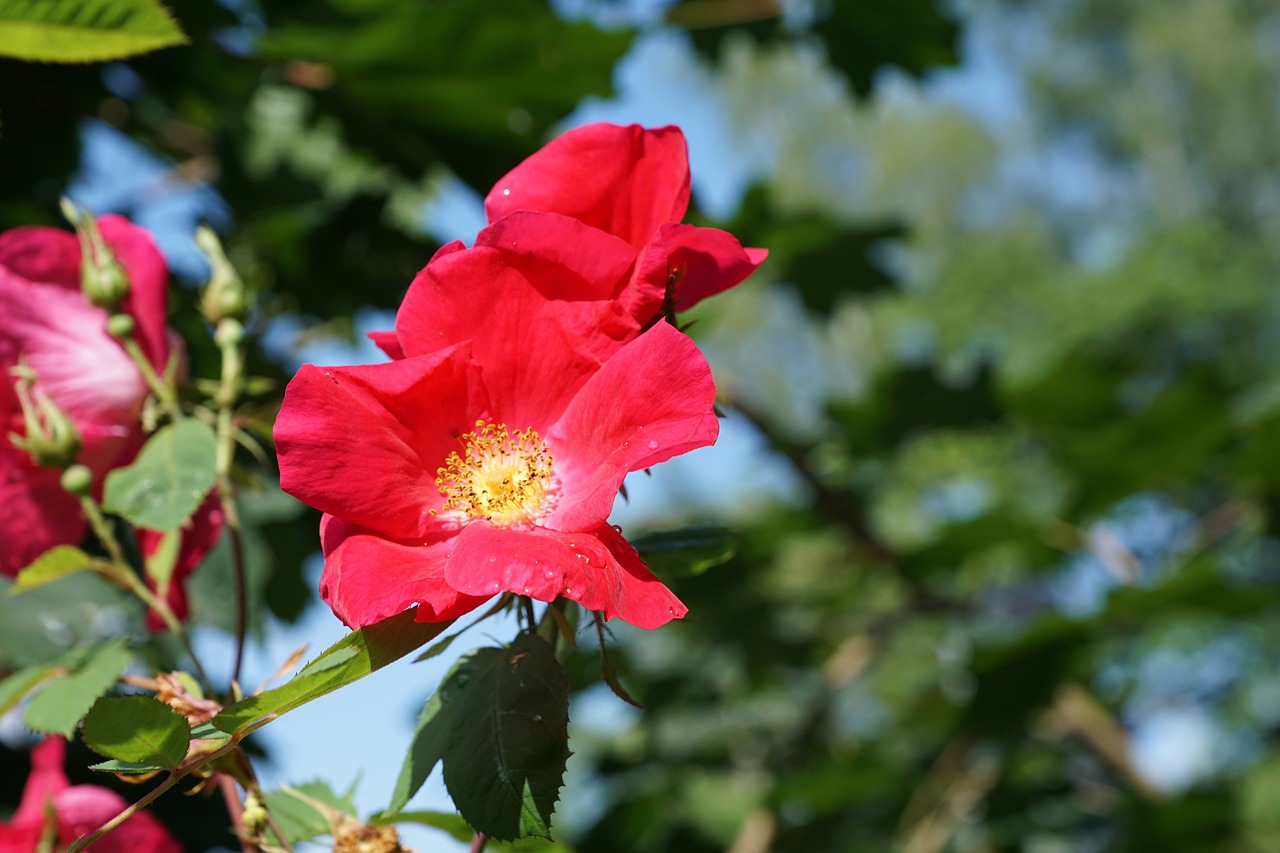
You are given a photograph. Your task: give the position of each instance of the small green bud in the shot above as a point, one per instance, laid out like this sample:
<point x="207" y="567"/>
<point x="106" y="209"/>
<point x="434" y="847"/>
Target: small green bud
<point x="230" y="332"/>
<point x="225" y="297"/>
<point x="77" y="480"/>
<point x="120" y="326"/>
<point x="50" y="438"/>
<point x="102" y="279"/>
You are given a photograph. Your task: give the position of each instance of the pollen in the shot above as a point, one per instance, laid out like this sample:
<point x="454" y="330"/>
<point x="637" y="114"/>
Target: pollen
<point x="499" y="475"/>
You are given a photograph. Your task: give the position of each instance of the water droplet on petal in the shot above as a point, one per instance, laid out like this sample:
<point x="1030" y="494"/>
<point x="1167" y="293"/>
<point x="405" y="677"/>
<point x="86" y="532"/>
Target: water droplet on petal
<point x="506" y="192"/>
<point x="493" y="559"/>
<point x="549" y="574"/>
<point x="493" y="587"/>
<point x="653" y="445"/>
<point x="528" y="590"/>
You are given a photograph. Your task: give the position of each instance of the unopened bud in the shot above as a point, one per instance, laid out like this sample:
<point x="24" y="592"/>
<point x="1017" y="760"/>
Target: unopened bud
<point x="120" y="326"/>
<point x="50" y="437"/>
<point x="102" y="278"/>
<point x="229" y="333"/>
<point x="225" y="297"/>
<point x="77" y="479"/>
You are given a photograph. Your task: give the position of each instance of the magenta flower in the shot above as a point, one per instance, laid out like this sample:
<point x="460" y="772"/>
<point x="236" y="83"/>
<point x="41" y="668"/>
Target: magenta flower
<point x="633" y="183"/>
<point x="487" y="457"/>
<point x="77" y="810"/>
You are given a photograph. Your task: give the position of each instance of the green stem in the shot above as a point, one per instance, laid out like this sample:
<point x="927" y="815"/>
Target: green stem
<point x="125" y="575"/>
<point x="229" y="336"/>
<point x="151" y="796"/>
<point x="161" y="389"/>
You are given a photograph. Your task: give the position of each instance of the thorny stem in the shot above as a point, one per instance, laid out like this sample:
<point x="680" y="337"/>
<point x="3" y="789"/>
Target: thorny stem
<point x="228" y="391"/>
<point x="150" y="797"/>
<point x="133" y="808"/>
<point x="125" y="575"/>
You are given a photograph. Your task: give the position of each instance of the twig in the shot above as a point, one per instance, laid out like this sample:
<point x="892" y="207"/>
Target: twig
<point x="477" y="843"/>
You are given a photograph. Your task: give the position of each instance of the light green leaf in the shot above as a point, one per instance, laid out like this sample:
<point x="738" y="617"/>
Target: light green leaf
<point x="85" y="30"/>
<point x="125" y="768"/>
<point x="159" y="565"/>
<point x="299" y="818"/>
<point x="19" y="684"/>
<point x="511" y="705"/>
<point x="360" y="652"/>
<point x="57" y="562"/>
<point x="137" y="729"/>
<point x="170" y="478"/>
<point x="63" y="702"/>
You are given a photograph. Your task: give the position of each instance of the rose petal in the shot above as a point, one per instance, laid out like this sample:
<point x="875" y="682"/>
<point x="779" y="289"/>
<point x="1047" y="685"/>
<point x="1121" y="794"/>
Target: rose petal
<point x="706" y="261"/>
<point x="38" y="512"/>
<point x="364" y="443"/>
<point x="534" y="351"/>
<point x="624" y="180"/>
<point x="368" y="578"/>
<point x="650" y="402"/>
<point x="600" y="570"/>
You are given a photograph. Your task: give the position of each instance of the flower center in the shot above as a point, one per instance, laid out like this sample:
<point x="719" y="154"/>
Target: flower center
<point x="501" y="476"/>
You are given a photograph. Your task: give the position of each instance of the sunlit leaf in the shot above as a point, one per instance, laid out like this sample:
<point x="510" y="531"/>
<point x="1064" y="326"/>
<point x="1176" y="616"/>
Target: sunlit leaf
<point x="170" y="478"/>
<point x="85" y="30"/>
<point x="137" y="729"/>
<point x="64" y="701"/>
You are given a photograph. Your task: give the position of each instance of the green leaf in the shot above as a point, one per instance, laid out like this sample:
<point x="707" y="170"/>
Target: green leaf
<point x="170" y="478"/>
<point x="125" y="768"/>
<point x="511" y="706"/>
<point x="359" y="653"/>
<point x="84" y="30"/>
<point x="300" y="819"/>
<point x="448" y="822"/>
<point x="138" y="729"/>
<point x="689" y="550"/>
<point x="19" y="684"/>
<point x="437" y="648"/>
<point x="59" y="706"/>
<point x="159" y="565"/>
<point x="56" y="563"/>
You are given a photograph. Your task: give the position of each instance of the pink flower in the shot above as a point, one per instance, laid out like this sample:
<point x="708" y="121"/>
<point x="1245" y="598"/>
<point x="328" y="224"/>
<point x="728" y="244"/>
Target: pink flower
<point x="633" y="183"/>
<point x="487" y="457"/>
<point x="78" y="810"/>
<point x="51" y="328"/>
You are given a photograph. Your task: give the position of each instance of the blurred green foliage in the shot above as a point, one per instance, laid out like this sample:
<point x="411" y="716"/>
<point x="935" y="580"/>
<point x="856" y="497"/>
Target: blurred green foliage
<point x="1018" y="342"/>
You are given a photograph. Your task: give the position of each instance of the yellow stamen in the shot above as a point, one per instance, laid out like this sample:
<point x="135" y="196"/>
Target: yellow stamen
<point x="501" y="476"/>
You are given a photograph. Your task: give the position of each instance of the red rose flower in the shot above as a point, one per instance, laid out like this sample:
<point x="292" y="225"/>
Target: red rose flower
<point x="488" y="456"/>
<point x="631" y="182"/>
<point x="77" y="811"/>
<point x="51" y="328"/>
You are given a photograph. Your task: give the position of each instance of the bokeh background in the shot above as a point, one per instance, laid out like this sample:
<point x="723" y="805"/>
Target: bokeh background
<point x="1000" y="472"/>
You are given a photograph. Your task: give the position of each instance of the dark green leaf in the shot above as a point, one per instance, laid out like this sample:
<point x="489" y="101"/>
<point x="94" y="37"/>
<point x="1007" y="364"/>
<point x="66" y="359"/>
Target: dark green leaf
<point x="360" y="653"/>
<point x="138" y="729"/>
<point x="689" y="550"/>
<point x="63" y="702"/>
<point x="499" y="723"/>
<point x="84" y="30"/>
<point x="169" y="479"/>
